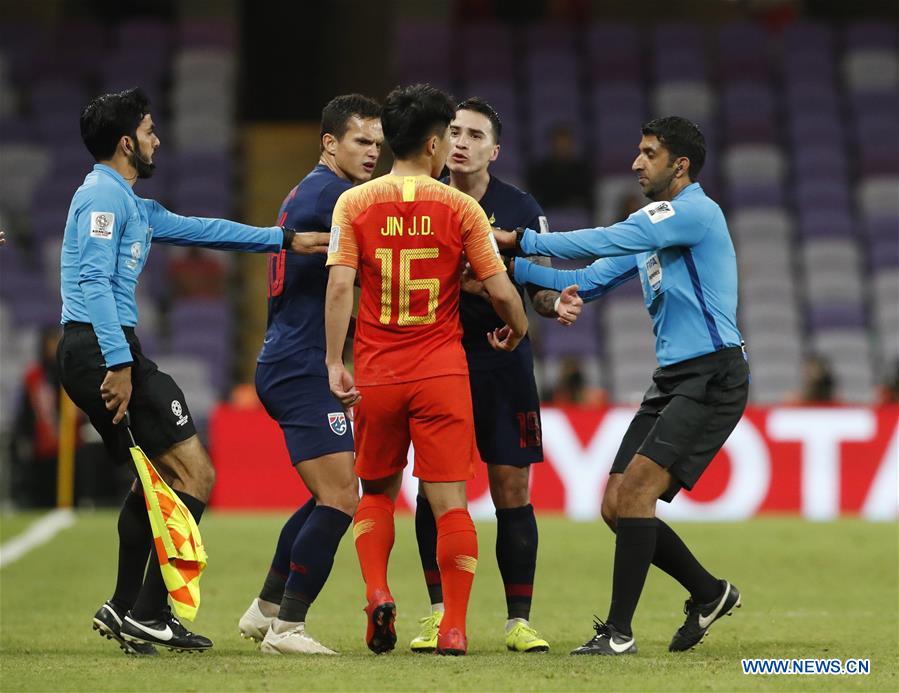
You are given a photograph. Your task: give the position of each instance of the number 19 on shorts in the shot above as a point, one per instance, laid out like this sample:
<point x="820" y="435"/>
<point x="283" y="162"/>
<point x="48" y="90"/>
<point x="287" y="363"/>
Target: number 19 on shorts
<point x="399" y="305"/>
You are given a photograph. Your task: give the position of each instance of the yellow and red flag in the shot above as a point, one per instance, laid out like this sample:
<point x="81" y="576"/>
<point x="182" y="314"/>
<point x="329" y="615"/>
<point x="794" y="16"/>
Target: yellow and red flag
<point x="176" y="536"/>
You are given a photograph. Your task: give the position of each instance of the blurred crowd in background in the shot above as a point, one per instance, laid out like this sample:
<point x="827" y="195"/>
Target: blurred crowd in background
<point x="799" y="109"/>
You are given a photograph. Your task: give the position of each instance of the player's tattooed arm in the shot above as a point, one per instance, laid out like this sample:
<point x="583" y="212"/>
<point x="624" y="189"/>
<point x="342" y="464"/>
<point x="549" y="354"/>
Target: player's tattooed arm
<point x="542" y="299"/>
<point x="564" y="306"/>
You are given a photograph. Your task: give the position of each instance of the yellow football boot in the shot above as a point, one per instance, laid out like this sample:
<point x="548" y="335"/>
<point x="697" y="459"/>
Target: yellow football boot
<point x="426" y="640"/>
<point x="523" y="638"/>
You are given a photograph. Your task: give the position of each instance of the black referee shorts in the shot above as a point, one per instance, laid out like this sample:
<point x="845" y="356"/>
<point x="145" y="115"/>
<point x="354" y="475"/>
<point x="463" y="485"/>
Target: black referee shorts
<point x="160" y="417"/>
<point x="687" y="415"/>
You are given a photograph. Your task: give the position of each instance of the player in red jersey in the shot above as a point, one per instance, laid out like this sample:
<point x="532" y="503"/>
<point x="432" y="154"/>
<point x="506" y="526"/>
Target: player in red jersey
<point x="408" y="237"/>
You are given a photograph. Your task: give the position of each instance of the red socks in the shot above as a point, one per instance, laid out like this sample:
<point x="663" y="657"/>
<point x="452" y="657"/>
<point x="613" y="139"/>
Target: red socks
<point x="457" y="557"/>
<point x="373" y="534"/>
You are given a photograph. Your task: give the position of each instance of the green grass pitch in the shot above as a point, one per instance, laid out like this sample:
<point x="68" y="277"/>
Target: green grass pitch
<point x="809" y="590"/>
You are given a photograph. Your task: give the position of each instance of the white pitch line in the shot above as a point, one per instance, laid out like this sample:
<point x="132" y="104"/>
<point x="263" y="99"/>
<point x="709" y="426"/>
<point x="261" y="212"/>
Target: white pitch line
<point x="38" y="533"/>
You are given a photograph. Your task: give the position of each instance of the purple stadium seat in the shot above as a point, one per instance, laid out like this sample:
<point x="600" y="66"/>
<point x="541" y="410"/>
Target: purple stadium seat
<point x="18" y="130"/>
<point x="882" y="228"/>
<point x="682" y="65"/>
<point x="201" y="314"/>
<point x="48" y="222"/>
<point x="145" y="32"/>
<point x="485" y="52"/>
<point x="860" y="35"/>
<point x="816" y="129"/>
<point x="749" y="113"/>
<point x="812" y="156"/>
<point x="614" y="53"/>
<point x="830" y="315"/>
<point x="742" y="52"/>
<point x="57" y="128"/>
<point x="580" y="339"/>
<point x="55" y="96"/>
<point x="756" y="196"/>
<point x="555" y="36"/>
<point x="808" y="36"/>
<point x="208" y="33"/>
<point x="568" y="218"/>
<point x="877" y="140"/>
<point x="618" y="100"/>
<point x="825" y="221"/>
<point x="211" y="346"/>
<point x="423" y="51"/>
<point x="812" y="97"/>
<point x="874" y="103"/>
<point x="883" y="252"/>
<point x="813" y="192"/>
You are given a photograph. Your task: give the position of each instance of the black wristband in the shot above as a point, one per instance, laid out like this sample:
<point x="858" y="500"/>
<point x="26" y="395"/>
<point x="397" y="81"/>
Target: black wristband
<point x="519" y="234"/>
<point x="288" y="237"/>
<point x="120" y="366"/>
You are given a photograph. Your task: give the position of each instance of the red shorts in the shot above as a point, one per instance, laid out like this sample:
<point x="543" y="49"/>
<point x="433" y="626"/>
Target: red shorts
<point x="433" y="414"/>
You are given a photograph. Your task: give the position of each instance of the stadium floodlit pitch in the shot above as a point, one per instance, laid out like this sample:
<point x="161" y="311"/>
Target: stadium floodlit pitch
<point x="810" y="590"/>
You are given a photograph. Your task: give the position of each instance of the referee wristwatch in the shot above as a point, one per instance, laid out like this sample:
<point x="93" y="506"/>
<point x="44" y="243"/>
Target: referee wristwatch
<point x="289" y="233"/>
<point x="519" y="234"/>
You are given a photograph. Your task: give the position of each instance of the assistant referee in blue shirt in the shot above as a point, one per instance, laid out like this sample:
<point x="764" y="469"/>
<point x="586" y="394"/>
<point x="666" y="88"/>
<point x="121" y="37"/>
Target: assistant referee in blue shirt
<point x="107" y="238"/>
<point x="680" y="248"/>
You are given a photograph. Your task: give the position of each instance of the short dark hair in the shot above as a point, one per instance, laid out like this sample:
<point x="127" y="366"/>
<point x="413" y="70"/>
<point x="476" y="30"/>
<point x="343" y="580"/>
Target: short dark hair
<point x="337" y="113"/>
<point x="681" y="138"/>
<point x="414" y="113"/>
<point x="479" y="105"/>
<point x="110" y="116"/>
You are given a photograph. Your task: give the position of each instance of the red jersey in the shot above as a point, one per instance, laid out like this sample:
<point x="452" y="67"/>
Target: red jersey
<point x="408" y="237"/>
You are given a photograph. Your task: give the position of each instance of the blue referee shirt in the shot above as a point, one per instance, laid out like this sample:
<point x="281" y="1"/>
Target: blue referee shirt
<point x="684" y="256"/>
<point x="106" y="242"/>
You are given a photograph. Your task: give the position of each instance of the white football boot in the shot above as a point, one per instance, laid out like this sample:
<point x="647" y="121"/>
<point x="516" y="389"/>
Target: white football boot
<point x="294" y="640"/>
<point x="254" y="624"/>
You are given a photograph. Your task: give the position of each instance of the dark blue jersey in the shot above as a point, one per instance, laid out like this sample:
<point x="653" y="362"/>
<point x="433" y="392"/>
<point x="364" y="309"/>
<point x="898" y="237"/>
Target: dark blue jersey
<point x="507" y="207"/>
<point x="295" y="335"/>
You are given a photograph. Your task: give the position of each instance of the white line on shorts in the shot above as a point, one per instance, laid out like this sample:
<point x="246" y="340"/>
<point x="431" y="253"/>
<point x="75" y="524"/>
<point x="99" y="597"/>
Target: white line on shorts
<point x="39" y="532"/>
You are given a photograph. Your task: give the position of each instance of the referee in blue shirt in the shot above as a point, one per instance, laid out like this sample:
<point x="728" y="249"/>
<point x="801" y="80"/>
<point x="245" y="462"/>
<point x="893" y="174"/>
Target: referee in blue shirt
<point x="680" y="248"/>
<point x="102" y="368"/>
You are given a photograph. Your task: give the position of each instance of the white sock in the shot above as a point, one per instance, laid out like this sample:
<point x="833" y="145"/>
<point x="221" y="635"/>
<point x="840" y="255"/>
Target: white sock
<point x="512" y="622"/>
<point x="268" y="609"/>
<point x="437" y="607"/>
<point x="279" y="626"/>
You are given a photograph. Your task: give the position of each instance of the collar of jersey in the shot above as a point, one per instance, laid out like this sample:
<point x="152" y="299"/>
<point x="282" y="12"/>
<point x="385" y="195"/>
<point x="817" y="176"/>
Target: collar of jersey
<point x="693" y="187"/>
<point x="116" y="176"/>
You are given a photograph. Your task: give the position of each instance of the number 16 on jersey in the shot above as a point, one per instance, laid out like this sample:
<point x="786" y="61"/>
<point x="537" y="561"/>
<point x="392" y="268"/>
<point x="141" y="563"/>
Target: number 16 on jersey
<point x="398" y="307"/>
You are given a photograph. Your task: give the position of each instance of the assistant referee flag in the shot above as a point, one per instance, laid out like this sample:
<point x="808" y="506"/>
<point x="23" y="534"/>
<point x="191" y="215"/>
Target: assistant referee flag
<point x="176" y="536"/>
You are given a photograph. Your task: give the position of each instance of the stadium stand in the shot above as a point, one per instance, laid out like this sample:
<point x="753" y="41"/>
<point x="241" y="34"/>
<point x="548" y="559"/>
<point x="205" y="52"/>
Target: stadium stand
<point x="801" y="133"/>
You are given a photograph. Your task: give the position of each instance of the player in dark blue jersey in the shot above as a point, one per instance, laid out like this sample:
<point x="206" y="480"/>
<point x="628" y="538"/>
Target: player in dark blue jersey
<point x="292" y="383"/>
<point x="504" y="393"/>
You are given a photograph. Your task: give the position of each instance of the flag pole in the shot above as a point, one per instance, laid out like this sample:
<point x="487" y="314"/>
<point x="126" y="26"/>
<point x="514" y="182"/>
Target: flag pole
<point x="65" y="460"/>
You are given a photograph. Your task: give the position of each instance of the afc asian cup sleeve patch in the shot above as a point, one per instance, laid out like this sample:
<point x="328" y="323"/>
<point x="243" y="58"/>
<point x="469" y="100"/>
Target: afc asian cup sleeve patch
<point x="334" y="243"/>
<point x="659" y="211"/>
<point x="102" y="224"/>
<point x="337" y="422"/>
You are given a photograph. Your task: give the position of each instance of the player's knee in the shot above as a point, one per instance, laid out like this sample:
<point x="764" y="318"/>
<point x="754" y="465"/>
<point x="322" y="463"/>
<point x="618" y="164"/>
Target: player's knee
<point x="206" y="475"/>
<point x="344" y="498"/>
<point x="509" y="486"/>
<point x="609" y="512"/>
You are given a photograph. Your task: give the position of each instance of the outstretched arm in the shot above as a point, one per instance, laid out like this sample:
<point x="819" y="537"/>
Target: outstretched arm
<point x="658" y="225"/>
<point x="593" y="281"/>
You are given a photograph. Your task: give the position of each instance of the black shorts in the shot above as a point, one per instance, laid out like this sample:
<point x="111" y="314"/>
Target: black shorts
<point x="687" y="415"/>
<point x="159" y="414"/>
<point x="507" y="415"/>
